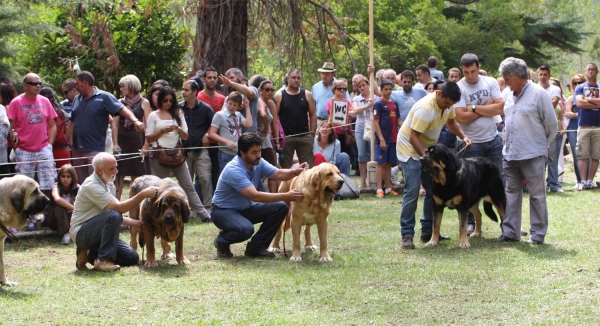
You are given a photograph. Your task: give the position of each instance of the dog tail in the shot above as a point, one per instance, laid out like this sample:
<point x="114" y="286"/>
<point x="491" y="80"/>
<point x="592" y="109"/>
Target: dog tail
<point x="141" y="240"/>
<point x="489" y="211"/>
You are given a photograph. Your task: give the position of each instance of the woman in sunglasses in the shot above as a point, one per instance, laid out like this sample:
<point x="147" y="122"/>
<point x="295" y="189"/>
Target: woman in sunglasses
<point x="340" y="86"/>
<point x="165" y="128"/>
<point x="268" y="116"/>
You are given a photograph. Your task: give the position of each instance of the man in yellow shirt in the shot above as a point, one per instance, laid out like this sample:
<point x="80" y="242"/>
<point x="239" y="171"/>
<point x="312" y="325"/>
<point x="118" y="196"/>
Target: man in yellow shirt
<point x="420" y="130"/>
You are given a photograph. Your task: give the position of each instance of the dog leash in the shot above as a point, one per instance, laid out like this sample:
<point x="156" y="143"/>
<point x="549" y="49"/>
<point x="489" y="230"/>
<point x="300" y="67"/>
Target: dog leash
<point x="10" y="235"/>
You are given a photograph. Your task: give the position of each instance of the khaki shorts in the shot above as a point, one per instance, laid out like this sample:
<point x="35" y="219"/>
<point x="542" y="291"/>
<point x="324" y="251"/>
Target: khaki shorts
<point x="588" y="143"/>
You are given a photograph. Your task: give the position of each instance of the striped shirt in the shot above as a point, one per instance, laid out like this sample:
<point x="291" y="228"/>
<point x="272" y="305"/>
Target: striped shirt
<point x="427" y="118"/>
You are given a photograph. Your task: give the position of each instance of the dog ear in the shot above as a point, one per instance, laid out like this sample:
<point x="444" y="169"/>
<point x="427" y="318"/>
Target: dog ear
<point x="17" y="199"/>
<point x="185" y="211"/>
<point x="158" y="207"/>
<point x="315" y="179"/>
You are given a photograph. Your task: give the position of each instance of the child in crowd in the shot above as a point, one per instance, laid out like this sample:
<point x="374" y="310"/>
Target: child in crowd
<point x="226" y="128"/>
<point x="386" y="121"/>
<point x="57" y="215"/>
<point x="339" y="89"/>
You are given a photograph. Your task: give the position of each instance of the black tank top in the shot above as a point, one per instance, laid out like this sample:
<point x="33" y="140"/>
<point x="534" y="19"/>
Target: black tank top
<point x="293" y="113"/>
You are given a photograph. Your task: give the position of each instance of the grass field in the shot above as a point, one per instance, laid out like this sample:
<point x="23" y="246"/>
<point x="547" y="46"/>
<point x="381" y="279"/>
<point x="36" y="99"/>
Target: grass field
<point x="372" y="280"/>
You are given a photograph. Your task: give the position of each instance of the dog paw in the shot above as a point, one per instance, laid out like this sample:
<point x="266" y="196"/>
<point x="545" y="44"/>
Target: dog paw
<point x="185" y="261"/>
<point x="274" y="250"/>
<point x="150" y="264"/>
<point x="464" y="245"/>
<point x="325" y="259"/>
<point x="7" y="283"/>
<point x="311" y="247"/>
<point x="475" y="235"/>
<point x="296" y="259"/>
<point x="168" y="256"/>
<point x="431" y="244"/>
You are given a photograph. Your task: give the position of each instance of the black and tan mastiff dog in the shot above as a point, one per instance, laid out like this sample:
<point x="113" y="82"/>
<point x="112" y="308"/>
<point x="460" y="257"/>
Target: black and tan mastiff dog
<point x="318" y="184"/>
<point x="162" y="217"/>
<point x="461" y="184"/>
<point x="20" y="198"/>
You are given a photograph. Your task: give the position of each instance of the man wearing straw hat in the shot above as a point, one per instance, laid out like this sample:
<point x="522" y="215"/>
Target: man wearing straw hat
<point x="323" y="92"/>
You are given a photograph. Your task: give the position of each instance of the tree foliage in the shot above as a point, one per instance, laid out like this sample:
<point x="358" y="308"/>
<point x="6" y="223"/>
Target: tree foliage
<point x="110" y="41"/>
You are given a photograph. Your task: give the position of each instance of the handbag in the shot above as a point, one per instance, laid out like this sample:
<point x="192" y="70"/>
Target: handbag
<point x="170" y="157"/>
<point x="350" y="137"/>
<point x="367" y="132"/>
<point x="348" y="190"/>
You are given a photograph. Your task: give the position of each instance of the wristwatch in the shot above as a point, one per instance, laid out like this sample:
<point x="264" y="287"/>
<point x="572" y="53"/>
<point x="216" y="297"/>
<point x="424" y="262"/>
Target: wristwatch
<point x="473" y="107"/>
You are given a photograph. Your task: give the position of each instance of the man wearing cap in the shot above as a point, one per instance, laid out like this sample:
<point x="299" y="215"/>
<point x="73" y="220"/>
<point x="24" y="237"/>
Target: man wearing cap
<point x="322" y="91"/>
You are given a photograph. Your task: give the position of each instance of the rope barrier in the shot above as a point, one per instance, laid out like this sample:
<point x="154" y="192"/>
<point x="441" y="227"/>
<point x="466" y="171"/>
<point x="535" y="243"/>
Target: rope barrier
<point x="141" y="154"/>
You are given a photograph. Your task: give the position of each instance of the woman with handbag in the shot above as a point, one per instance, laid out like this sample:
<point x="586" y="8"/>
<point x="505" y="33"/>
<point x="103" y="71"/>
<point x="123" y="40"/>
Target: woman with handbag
<point x="164" y="130"/>
<point x="327" y="149"/>
<point x="361" y="109"/>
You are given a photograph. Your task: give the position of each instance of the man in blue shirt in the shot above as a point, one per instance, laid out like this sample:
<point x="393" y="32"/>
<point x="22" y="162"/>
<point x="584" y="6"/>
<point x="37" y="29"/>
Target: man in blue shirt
<point x="237" y="205"/>
<point x="89" y="122"/>
<point x="322" y="91"/>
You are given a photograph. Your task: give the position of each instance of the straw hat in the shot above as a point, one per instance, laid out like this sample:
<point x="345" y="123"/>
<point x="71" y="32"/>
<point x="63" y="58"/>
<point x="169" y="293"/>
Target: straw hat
<point x="327" y="67"/>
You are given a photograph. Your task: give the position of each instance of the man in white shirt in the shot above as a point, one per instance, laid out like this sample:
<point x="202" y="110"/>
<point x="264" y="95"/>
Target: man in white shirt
<point x="479" y="103"/>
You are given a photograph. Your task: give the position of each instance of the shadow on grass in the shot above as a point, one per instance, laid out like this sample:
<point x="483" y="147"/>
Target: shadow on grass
<point x="14" y="294"/>
<point x="451" y="250"/>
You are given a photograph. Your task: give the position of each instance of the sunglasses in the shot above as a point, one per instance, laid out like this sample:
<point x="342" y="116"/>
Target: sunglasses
<point x="168" y="101"/>
<point x="68" y="91"/>
<point x="268" y="89"/>
<point x="578" y="82"/>
<point x="34" y="83"/>
<point x="342" y="89"/>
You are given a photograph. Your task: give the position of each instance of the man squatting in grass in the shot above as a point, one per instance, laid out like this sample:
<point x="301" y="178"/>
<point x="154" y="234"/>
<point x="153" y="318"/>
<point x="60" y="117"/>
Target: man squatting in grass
<point x="237" y="205"/>
<point x="420" y="130"/>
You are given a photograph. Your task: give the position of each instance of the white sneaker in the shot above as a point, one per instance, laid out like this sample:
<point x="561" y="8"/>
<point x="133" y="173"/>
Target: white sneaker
<point x="395" y="180"/>
<point x="578" y="186"/>
<point x="66" y="239"/>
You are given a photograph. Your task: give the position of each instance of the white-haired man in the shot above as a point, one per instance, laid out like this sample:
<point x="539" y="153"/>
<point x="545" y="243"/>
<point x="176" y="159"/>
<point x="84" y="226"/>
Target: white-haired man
<point x="97" y="219"/>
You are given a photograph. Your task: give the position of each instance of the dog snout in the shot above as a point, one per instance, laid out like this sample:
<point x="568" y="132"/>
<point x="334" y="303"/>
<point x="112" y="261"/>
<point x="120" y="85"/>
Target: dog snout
<point x="340" y="183"/>
<point x="169" y="219"/>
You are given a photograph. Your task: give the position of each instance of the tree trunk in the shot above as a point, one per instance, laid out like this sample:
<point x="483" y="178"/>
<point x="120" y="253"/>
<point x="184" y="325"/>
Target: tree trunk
<point x="221" y="33"/>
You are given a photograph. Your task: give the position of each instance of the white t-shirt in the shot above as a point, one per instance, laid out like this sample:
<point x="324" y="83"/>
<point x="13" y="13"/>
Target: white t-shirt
<point x="484" y="128"/>
<point x="552" y="91"/>
<point x="168" y="139"/>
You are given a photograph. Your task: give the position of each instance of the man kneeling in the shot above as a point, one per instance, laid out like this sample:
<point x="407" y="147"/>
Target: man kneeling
<point x="239" y="201"/>
<point x="97" y="219"/>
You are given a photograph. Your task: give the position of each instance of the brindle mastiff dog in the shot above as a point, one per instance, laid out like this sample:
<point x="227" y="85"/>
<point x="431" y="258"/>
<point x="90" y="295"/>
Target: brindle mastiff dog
<point x="162" y="217"/>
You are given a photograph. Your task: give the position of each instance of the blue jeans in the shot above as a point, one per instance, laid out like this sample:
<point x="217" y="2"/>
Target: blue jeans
<point x="101" y="236"/>
<point x="224" y="158"/>
<point x="492" y="150"/>
<point x="342" y="161"/>
<point x="572" y="140"/>
<point x="238" y="226"/>
<point x="410" y="196"/>
<point x="553" y="155"/>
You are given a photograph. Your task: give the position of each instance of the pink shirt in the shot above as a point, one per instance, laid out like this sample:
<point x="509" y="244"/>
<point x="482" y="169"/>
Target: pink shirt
<point x="30" y="118"/>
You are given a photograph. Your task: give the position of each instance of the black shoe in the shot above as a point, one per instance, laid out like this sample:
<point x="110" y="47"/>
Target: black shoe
<point x="223" y="250"/>
<point x="259" y="253"/>
<point x="426" y="238"/>
<point x="503" y="238"/>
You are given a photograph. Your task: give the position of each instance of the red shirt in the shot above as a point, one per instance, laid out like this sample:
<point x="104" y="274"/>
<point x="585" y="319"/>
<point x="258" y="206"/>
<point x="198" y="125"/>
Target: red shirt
<point x="216" y="103"/>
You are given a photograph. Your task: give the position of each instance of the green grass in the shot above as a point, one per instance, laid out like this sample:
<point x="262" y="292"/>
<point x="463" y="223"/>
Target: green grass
<point x="371" y="280"/>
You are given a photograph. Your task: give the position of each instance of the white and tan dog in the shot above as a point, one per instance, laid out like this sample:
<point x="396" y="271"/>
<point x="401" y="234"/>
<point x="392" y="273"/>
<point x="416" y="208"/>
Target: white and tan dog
<point x="20" y="198"/>
<point x="318" y="184"/>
